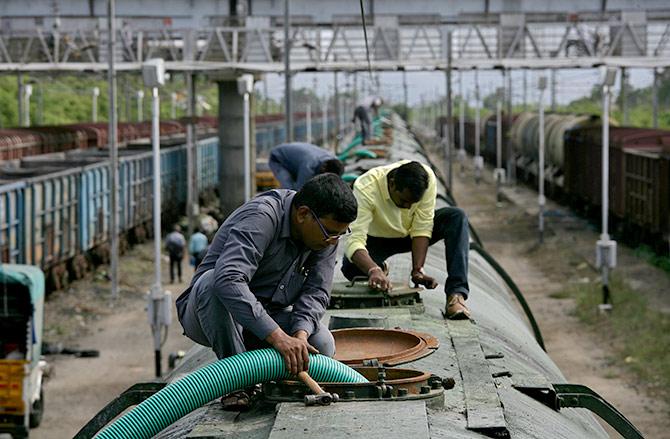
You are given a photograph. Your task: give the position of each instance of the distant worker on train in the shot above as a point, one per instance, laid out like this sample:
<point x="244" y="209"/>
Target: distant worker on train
<point x="364" y="124"/>
<point x="396" y="214"/>
<point x="362" y="116"/>
<point x="294" y="163"/>
<point x="267" y="276"/>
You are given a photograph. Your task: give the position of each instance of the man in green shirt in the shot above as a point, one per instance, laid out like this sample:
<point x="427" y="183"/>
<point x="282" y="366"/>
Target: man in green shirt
<point x="396" y="214"/>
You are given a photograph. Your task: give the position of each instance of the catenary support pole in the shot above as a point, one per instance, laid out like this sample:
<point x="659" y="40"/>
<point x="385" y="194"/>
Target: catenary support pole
<point x="247" y="149"/>
<point x="654" y="98"/>
<point x="94" y="104"/>
<point x="287" y="73"/>
<point x="479" y="162"/>
<point x="140" y="105"/>
<point x="624" y="96"/>
<point x="554" y="80"/>
<point x="324" y="122"/>
<point x="525" y="90"/>
<point x="191" y="162"/>
<point x="461" y="123"/>
<point x="266" y="98"/>
<point x="336" y="104"/>
<point x="404" y="97"/>
<point x="308" y="122"/>
<point x="19" y="98"/>
<point x="113" y="151"/>
<point x="155" y="149"/>
<point x="540" y="173"/>
<point x="499" y="169"/>
<point x="450" y="118"/>
<point x="27" y="93"/>
<point x="511" y="165"/>
<point x="605" y="247"/>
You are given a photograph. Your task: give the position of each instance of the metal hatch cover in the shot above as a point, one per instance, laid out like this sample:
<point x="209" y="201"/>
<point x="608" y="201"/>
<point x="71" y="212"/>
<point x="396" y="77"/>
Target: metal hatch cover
<point x="387" y="347"/>
<point x="357" y="294"/>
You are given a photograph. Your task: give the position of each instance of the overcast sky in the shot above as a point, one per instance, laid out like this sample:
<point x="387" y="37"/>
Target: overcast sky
<point x="570" y="83"/>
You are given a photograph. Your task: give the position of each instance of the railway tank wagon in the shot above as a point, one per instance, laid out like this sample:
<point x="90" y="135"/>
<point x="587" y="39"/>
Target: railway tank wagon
<point x="524" y="138"/>
<point x="485" y="377"/>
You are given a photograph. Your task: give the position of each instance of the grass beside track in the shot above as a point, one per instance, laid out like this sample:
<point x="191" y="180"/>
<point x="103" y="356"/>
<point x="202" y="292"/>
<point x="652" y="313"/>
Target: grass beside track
<point x="647" y="253"/>
<point x="639" y="335"/>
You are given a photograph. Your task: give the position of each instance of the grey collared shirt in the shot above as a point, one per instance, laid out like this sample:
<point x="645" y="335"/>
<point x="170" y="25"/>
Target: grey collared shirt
<point x="258" y="265"/>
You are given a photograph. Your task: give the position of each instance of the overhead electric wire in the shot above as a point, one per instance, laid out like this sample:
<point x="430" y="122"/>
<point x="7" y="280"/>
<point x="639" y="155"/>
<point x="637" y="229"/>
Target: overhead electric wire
<point x="365" y="35"/>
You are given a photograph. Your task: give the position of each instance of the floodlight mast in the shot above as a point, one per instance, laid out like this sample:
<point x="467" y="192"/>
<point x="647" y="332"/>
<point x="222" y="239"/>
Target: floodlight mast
<point x="542" y="85"/>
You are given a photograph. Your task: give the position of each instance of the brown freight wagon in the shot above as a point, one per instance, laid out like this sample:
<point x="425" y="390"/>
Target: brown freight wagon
<point x="15" y="143"/>
<point x="647" y="192"/>
<point x="583" y="164"/>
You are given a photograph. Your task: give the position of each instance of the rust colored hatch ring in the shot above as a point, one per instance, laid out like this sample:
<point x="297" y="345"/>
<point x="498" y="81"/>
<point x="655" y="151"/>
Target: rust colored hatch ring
<point x="390" y="347"/>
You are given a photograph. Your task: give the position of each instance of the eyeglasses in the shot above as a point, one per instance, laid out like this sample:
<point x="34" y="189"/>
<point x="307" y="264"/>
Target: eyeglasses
<point x="327" y="237"/>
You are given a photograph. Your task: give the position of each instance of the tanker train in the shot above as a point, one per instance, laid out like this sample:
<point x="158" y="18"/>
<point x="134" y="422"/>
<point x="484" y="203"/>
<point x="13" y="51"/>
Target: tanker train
<point x="639" y="172"/>
<point x="422" y="376"/>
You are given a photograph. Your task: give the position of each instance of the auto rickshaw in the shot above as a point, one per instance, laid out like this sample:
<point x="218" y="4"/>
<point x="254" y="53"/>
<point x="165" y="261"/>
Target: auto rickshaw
<point x="21" y="364"/>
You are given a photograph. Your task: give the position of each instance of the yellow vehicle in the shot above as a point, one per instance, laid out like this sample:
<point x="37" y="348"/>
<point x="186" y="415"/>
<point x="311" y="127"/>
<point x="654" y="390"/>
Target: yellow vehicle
<point x="21" y="364"/>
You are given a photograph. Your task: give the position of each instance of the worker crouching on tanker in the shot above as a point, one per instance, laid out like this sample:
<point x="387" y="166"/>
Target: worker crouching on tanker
<point x="396" y="214"/>
<point x="267" y="276"/>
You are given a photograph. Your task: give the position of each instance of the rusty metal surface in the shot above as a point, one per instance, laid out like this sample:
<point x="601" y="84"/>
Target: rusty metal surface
<point x="390" y="384"/>
<point x="388" y="346"/>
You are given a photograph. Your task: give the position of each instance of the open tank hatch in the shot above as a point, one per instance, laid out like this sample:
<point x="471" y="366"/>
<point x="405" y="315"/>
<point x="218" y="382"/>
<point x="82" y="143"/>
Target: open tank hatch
<point x="385" y="384"/>
<point x="386" y="347"/>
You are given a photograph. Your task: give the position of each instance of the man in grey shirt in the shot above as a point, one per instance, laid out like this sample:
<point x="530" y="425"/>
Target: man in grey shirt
<point x="294" y="163"/>
<point x="267" y="275"/>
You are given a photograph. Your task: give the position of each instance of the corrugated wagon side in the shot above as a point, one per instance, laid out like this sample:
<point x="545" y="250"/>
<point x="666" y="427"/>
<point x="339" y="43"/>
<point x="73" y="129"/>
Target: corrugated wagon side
<point x="12" y="223"/>
<point x="51" y="205"/>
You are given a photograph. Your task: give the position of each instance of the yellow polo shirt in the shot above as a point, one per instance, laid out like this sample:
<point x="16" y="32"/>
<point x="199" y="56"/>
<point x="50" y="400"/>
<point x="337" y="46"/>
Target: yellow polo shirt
<point x="379" y="216"/>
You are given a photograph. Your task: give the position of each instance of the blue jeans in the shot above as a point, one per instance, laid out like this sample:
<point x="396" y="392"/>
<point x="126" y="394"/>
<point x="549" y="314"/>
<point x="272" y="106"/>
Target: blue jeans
<point x="451" y="225"/>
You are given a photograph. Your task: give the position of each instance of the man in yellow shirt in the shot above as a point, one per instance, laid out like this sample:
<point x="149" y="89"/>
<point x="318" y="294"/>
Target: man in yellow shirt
<point x="396" y="214"/>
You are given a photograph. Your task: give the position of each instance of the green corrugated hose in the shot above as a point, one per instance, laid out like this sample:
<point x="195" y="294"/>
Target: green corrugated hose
<point x="214" y="380"/>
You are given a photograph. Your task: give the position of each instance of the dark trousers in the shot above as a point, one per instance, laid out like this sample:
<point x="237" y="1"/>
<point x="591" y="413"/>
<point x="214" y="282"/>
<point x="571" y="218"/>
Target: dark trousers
<point x="206" y="321"/>
<point x="175" y="264"/>
<point x="451" y="225"/>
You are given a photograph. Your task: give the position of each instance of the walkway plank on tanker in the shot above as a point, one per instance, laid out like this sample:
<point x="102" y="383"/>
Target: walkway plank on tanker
<point x="371" y="420"/>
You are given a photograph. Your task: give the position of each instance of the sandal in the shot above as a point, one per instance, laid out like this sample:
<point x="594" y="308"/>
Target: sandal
<point x="456" y="308"/>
